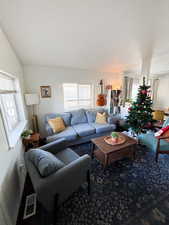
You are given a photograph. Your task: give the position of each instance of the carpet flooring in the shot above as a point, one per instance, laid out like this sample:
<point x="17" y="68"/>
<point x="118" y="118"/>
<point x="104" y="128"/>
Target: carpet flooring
<point x="126" y="193"/>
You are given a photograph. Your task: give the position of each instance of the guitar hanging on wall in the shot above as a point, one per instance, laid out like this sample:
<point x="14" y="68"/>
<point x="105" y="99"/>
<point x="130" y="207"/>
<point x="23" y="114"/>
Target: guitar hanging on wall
<point x="101" y="98"/>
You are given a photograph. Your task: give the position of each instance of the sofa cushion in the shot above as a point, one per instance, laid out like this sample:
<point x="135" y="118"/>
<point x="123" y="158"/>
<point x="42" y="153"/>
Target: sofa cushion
<point x="91" y="116"/>
<point x="67" y="156"/>
<point x="151" y="142"/>
<point x="78" y="116"/>
<point x="65" y="116"/>
<point x="84" y="129"/>
<point x="69" y="134"/>
<point x="44" y="161"/>
<point x="100" y="128"/>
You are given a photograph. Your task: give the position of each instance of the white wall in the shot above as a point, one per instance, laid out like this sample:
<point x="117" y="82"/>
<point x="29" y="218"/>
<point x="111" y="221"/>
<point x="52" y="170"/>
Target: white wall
<point x="36" y="76"/>
<point x="11" y="177"/>
<point x="163" y="93"/>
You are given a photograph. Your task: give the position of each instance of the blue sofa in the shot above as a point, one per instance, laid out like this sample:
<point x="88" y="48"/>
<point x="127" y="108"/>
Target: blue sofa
<point x="80" y="126"/>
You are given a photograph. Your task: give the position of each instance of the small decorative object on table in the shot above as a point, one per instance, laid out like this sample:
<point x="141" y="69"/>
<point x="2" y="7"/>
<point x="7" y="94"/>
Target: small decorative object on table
<point x="26" y="134"/>
<point x="115" y="139"/>
<point x="30" y="140"/>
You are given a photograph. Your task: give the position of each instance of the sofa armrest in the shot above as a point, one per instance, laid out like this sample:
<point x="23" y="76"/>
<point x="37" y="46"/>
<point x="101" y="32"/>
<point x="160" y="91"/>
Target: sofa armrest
<point x="162" y="138"/>
<point x="112" y="119"/>
<point x="48" y="129"/>
<point x="55" y="146"/>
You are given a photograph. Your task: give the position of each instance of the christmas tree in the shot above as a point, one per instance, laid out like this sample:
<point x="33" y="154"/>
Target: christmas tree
<point x="140" y="116"/>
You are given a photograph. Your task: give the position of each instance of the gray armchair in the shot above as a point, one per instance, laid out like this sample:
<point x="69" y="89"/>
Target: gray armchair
<point x="57" y="187"/>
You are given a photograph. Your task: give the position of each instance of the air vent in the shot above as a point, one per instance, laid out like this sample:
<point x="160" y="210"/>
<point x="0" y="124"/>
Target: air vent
<point x="30" y="206"/>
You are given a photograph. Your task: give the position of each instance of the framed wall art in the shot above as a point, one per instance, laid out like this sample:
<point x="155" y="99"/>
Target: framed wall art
<point x="45" y="91"/>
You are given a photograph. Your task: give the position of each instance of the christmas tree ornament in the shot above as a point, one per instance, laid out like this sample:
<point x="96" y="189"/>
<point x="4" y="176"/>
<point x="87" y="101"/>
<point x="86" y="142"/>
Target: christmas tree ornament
<point x="143" y="92"/>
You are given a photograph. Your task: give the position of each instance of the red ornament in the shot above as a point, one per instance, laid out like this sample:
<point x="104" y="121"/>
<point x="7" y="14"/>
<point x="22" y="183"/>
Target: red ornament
<point x="144" y="92"/>
<point x="149" y="125"/>
<point x="129" y="109"/>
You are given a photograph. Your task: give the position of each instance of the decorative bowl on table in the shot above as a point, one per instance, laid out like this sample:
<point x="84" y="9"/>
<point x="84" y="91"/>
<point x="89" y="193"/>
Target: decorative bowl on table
<point x="115" y="139"/>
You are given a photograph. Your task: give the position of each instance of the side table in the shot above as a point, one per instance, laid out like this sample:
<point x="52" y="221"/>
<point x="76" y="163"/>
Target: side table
<point x="32" y="142"/>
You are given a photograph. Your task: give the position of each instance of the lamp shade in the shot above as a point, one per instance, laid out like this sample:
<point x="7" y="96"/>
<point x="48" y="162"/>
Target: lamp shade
<point x="32" y="99"/>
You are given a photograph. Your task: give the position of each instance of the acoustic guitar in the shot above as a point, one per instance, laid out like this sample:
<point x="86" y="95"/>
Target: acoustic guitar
<point x="101" y="98"/>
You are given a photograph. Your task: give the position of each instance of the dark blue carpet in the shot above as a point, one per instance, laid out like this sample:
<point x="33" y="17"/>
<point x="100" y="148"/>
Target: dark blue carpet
<point x="126" y="193"/>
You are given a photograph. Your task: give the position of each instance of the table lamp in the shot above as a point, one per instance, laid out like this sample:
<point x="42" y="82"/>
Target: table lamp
<point x="33" y="100"/>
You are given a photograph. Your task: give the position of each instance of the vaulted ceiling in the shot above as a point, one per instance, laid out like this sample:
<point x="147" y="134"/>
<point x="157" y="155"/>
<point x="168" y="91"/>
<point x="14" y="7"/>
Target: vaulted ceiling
<point x="103" y="35"/>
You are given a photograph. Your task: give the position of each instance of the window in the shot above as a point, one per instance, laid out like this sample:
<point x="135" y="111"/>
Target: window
<point x="10" y="106"/>
<point x="77" y="96"/>
<point x="135" y="87"/>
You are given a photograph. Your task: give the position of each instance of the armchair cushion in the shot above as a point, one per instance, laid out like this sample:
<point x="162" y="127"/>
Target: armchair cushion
<point x="45" y="162"/>
<point x="67" y="156"/>
<point x="55" y="146"/>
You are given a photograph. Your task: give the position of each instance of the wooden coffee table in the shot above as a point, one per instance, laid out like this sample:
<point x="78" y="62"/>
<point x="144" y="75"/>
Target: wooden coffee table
<point x="107" y="154"/>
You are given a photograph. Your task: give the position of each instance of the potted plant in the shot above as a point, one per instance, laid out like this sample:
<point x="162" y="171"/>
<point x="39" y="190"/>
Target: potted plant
<point x="114" y="137"/>
<point x="26" y="134"/>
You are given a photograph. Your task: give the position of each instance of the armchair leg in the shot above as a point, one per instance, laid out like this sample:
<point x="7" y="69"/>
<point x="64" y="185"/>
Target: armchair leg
<point x="54" y="213"/>
<point x="88" y="181"/>
<point x="157" y="149"/>
<point x="156" y="156"/>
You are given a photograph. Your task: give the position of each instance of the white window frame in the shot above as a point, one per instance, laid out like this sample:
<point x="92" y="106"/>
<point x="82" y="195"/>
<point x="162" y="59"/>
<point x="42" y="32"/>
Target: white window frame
<point x="91" y="99"/>
<point x="13" y="136"/>
<point x="134" y="90"/>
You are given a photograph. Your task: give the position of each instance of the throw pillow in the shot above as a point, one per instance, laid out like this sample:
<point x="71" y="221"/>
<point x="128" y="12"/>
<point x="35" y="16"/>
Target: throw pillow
<point x="45" y="162"/>
<point x="101" y="118"/>
<point x="57" y="124"/>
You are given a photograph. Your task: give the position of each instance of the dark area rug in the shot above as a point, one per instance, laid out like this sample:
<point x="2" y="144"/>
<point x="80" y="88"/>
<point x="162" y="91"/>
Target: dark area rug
<point x="126" y="193"/>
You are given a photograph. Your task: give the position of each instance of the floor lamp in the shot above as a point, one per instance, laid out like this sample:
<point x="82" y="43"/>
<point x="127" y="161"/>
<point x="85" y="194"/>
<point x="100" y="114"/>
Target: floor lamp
<point x="33" y="100"/>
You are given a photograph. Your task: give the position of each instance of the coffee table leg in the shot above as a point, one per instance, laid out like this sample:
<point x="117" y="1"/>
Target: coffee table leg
<point x="105" y="161"/>
<point x="134" y="151"/>
<point x="92" y="150"/>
